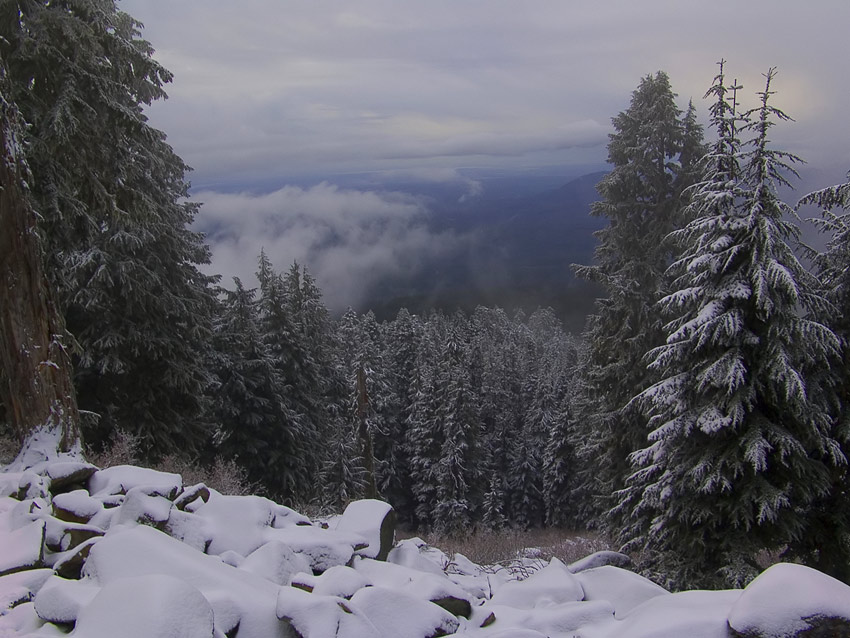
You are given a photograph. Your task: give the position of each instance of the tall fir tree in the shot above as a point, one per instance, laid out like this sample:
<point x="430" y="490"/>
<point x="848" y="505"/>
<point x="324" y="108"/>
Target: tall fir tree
<point x="111" y="195"/>
<point x="742" y="439"/>
<point x="651" y="151"/>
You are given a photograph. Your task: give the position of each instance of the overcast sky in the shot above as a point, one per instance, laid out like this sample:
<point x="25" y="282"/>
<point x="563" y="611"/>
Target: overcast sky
<point x="274" y="92"/>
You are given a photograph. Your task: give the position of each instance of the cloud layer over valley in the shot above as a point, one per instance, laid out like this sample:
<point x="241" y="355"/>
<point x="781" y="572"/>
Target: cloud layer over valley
<point x="349" y="240"/>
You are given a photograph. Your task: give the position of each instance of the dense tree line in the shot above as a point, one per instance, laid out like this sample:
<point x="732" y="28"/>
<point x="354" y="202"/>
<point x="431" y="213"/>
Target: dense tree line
<point x="701" y="418"/>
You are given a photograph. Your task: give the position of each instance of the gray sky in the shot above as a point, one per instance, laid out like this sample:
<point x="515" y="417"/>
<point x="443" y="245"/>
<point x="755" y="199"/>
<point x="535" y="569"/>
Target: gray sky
<point x="271" y="92"/>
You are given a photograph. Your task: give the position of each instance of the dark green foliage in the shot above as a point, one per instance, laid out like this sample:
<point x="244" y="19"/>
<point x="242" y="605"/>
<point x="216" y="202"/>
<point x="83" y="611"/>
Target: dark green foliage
<point x="110" y="193"/>
<point x="652" y="152"/>
<point x="742" y="442"/>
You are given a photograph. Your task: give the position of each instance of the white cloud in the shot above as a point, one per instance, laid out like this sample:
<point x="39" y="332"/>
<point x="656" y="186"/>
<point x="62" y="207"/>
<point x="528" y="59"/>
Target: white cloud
<point x="348" y="239"/>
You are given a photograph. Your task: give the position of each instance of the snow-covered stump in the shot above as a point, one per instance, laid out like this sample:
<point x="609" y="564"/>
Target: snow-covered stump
<point x="792" y="601"/>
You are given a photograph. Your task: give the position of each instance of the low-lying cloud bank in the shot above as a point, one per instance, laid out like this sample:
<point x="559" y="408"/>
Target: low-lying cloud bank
<point x="348" y="239"/>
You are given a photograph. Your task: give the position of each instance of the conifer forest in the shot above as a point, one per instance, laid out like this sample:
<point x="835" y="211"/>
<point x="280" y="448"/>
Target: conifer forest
<point x="700" y="420"/>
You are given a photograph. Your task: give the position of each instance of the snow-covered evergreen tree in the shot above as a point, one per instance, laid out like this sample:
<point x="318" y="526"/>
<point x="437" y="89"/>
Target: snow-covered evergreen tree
<point x="742" y="437"/>
<point x="642" y="199"/>
<point x="248" y="403"/>
<point x="111" y="195"/>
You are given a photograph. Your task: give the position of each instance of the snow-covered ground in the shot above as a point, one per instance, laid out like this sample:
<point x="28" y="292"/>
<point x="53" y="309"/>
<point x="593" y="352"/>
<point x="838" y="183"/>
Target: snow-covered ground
<point x="131" y="552"/>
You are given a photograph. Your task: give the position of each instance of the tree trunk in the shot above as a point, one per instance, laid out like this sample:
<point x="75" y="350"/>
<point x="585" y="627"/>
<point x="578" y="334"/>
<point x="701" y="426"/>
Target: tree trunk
<point x="35" y="368"/>
<point x="363" y="433"/>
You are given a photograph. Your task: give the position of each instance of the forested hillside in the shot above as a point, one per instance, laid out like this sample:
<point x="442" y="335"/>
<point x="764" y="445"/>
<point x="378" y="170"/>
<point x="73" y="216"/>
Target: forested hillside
<point x="700" y="419"/>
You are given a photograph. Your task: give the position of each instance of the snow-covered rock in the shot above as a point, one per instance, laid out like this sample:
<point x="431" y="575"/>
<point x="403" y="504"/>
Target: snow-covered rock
<point x="120" y="479"/>
<point x="21" y="587"/>
<point x="276" y="562"/>
<point x="600" y="559"/>
<point x="63" y="474"/>
<point x="76" y="506"/>
<point x="60" y="599"/>
<point x="374" y="520"/>
<point x="23" y="548"/>
<point x="421" y="619"/>
<point x="145" y="606"/>
<point x="688" y="614"/>
<point x="625" y="590"/>
<point x="425" y="586"/>
<point x="787" y="599"/>
<point x="562" y="618"/>
<point x="315" y="616"/>
<point x="552" y="585"/>
<point x="323" y="548"/>
<point x="339" y="581"/>
<point x="142" y="550"/>
<point x="412" y="553"/>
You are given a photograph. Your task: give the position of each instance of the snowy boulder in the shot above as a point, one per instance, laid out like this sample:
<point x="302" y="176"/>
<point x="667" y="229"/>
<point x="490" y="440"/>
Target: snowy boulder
<point x="692" y="614"/>
<point x="60" y="536"/>
<point x="625" y="590"/>
<point x="552" y="585"/>
<point x="188" y="528"/>
<point x="144" y="507"/>
<point x="145" y="606"/>
<point x="412" y="553"/>
<point x="23" y="548"/>
<point x="558" y="619"/>
<point x="375" y="521"/>
<point x="314" y="616"/>
<point x="425" y="586"/>
<point x="237" y="523"/>
<point x="69" y="564"/>
<point x="323" y="548"/>
<point x="60" y="599"/>
<point x="190" y="496"/>
<point x="787" y="600"/>
<point x="276" y="562"/>
<point x="134" y="551"/>
<point x="76" y="506"/>
<point x="600" y="559"/>
<point x="65" y="474"/>
<point x="402" y="616"/>
<point x="339" y="581"/>
<point x="120" y="479"/>
<point x="31" y="486"/>
<point x="21" y="587"/>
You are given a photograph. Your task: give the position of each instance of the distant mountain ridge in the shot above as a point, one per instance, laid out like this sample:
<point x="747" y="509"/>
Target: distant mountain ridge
<point x="516" y="252"/>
